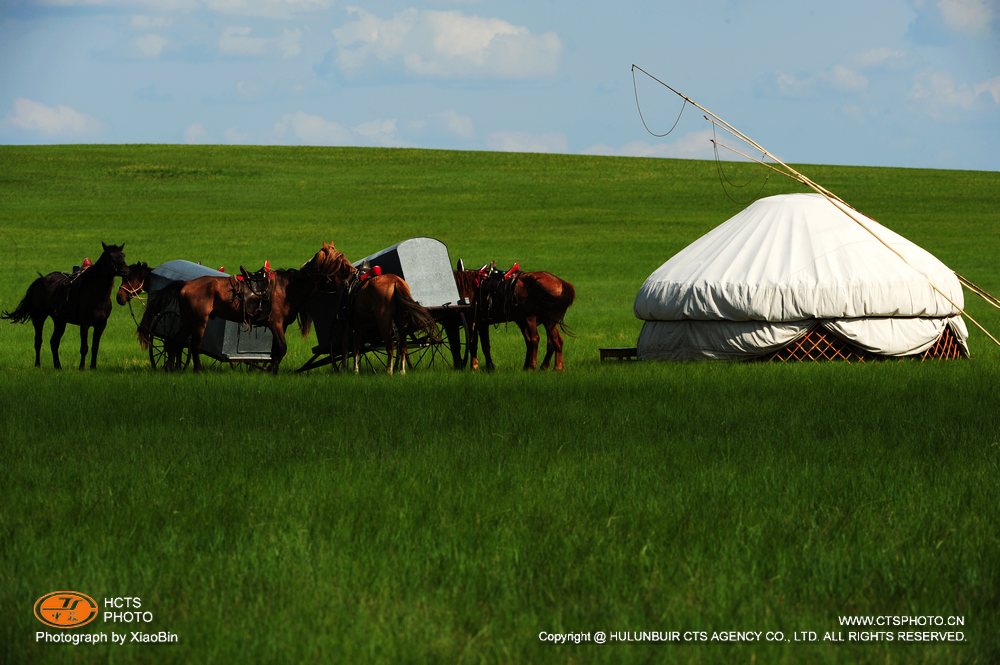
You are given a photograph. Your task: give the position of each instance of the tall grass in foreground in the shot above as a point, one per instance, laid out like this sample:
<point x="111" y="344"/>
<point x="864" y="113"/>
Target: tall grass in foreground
<point x="452" y="517"/>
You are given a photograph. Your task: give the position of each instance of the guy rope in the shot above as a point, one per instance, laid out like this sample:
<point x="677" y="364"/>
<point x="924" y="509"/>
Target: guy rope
<point x="786" y="170"/>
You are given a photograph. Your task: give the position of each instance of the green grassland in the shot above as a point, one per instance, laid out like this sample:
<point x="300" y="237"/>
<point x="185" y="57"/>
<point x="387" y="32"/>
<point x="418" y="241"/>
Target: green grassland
<point x="452" y="517"/>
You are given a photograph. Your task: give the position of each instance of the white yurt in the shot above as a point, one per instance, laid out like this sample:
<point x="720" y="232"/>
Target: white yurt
<point x="795" y="277"/>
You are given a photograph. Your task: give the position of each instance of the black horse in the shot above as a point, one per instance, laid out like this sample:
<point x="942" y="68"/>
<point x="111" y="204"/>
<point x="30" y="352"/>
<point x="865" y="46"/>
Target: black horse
<point x="82" y="298"/>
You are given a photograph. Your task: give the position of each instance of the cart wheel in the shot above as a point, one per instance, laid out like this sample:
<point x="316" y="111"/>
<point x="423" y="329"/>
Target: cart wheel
<point x="166" y="327"/>
<point x="454" y="329"/>
<point x="421" y="351"/>
<point x="374" y="358"/>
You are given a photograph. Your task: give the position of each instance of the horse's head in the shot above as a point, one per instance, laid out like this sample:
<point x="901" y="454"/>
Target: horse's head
<point x="133" y="282"/>
<point x="330" y="263"/>
<point x="115" y="254"/>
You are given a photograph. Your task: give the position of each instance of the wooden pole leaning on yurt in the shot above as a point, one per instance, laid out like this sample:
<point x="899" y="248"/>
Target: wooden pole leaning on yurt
<point x="816" y="187"/>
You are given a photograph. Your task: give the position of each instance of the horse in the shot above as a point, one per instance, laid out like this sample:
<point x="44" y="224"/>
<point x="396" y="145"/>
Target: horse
<point x="82" y="298"/>
<point x="134" y="281"/>
<point x="274" y="303"/>
<point x="528" y="299"/>
<point x="379" y="308"/>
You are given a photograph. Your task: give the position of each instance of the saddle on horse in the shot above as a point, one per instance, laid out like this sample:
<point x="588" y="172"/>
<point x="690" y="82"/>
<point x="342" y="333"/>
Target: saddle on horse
<point x="252" y="294"/>
<point x="350" y="288"/>
<point x="496" y="290"/>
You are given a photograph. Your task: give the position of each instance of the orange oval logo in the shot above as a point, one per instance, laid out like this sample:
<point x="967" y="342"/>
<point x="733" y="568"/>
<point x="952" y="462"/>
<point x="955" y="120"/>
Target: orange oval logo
<point x="65" y="609"/>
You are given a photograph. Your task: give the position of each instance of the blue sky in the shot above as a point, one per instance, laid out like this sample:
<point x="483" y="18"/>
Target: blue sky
<point x="871" y="82"/>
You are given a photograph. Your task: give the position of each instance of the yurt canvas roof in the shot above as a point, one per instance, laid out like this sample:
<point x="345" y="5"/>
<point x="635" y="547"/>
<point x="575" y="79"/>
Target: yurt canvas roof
<point x="794" y="257"/>
<point x="785" y="263"/>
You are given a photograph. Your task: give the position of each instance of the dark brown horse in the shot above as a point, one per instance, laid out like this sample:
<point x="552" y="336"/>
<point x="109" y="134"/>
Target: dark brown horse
<point x="380" y="308"/>
<point x="134" y="282"/>
<point x="528" y="299"/>
<point x="82" y="298"/>
<point x="224" y="297"/>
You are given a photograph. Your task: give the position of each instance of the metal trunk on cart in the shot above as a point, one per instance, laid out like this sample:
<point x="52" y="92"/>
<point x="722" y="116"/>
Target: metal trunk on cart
<point x="426" y="267"/>
<point x="223" y="340"/>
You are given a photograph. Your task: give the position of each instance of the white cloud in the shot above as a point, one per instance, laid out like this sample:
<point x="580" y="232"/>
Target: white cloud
<point x="694" y="145"/>
<point x="236" y="137"/>
<point x="848" y="76"/>
<point x="876" y="57"/>
<point x="51" y="121"/>
<point x="457" y="124"/>
<point x="378" y="132"/>
<point x="268" y="8"/>
<point x="302" y="128"/>
<point x="527" y="142"/>
<point x="790" y="85"/>
<point x="238" y="41"/>
<point x="971" y="17"/>
<point x="289" y="42"/>
<point x="938" y="91"/>
<point x="150" y="45"/>
<point x="248" y="90"/>
<point x="276" y="9"/>
<point x="445" y="44"/>
<point x="991" y="88"/>
<point x="146" y="23"/>
<point x="845" y="78"/>
<point x="195" y="133"/>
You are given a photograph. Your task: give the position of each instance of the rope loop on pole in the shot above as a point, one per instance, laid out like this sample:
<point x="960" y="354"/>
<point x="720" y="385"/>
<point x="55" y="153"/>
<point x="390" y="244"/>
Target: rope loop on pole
<point x="638" y="107"/>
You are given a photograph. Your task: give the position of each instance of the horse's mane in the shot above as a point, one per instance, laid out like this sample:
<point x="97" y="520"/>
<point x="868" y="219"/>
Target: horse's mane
<point x="286" y="276"/>
<point x="331" y="263"/>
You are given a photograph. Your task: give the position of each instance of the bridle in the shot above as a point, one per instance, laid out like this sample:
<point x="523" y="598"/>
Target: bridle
<point x="133" y="292"/>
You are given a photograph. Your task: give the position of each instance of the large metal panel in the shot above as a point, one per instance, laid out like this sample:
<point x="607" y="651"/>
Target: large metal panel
<point x="228" y="340"/>
<point x="426" y="267"/>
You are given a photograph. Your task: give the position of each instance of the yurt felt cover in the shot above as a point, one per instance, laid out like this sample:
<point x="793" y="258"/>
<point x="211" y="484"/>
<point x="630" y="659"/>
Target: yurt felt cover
<point x="768" y="274"/>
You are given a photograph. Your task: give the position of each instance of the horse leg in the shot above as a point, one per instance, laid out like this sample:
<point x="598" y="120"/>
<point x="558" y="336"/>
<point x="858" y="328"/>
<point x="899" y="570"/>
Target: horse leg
<point x="279" y="347"/>
<point x="357" y="353"/>
<point x="99" y="327"/>
<point x="472" y="346"/>
<point x="401" y="352"/>
<point x="553" y="345"/>
<point x="84" y="332"/>
<point x="387" y="336"/>
<point x="484" y="336"/>
<point x="57" y="333"/>
<point x="529" y="329"/>
<point x="195" y="344"/>
<point x="451" y="332"/>
<point x="38" y="321"/>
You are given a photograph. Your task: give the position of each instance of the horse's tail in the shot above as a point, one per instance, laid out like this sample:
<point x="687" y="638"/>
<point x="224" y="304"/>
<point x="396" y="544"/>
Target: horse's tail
<point x="144" y="331"/>
<point x="22" y="312"/>
<point x="413" y="316"/>
<point x="305" y="321"/>
<point x="566" y="299"/>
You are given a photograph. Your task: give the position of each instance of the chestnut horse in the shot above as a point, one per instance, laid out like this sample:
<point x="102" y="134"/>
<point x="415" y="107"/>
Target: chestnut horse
<point x="82" y="298"/>
<point x="209" y="296"/>
<point x="379" y="308"/>
<point x="529" y="299"/>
